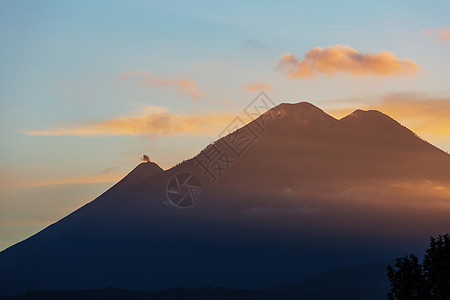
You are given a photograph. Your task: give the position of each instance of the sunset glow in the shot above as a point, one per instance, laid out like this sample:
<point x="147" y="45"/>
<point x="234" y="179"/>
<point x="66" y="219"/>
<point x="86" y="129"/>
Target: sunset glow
<point x="235" y="144"/>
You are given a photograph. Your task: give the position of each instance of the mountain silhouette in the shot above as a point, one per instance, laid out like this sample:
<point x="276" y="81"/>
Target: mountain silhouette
<point x="367" y="281"/>
<point x="291" y="193"/>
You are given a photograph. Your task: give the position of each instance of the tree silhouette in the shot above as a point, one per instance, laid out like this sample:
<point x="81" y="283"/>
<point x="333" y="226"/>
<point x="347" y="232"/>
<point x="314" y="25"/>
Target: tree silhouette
<point x="407" y="281"/>
<point x="436" y="266"/>
<point x="431" y="280"/>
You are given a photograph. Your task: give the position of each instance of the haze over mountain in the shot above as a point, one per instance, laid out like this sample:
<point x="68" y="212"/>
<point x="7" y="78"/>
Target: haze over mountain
<point x="293" y="192"/>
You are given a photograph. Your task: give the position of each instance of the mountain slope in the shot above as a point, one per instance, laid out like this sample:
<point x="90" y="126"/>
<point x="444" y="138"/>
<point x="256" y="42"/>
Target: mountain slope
<point x="290" y="194"/>
<point x="137" y="175"/>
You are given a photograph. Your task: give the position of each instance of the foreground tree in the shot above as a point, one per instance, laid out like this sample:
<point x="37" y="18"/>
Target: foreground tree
<point x="411" y="280"/>
<point x="407" y="280"/>
<point x="436" y="266"/>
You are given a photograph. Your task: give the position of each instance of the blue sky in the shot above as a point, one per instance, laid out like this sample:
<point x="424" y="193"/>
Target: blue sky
<point x="61" y="66"/>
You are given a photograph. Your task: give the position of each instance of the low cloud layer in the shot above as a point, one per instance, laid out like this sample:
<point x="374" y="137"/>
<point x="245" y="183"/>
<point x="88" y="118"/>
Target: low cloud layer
<point x="424" y="114"/>
<point x="441" y="34"/>
<point x="185" y="86"/>
<point x="336" y="59"/>
<point x="150" y="121"/>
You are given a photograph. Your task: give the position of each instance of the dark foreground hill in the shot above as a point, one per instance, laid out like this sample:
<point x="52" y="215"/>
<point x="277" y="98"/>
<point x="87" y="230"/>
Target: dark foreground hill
<point x="366" y="281"/>
<point x="290" y="194"/>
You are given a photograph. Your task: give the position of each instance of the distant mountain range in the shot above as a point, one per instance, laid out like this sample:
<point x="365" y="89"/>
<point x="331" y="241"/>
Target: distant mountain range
<point x="290" y="194"/>
<point x="366" y="281"/>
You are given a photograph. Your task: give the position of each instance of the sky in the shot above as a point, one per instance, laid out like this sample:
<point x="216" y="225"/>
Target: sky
<point x="88" y="87"/>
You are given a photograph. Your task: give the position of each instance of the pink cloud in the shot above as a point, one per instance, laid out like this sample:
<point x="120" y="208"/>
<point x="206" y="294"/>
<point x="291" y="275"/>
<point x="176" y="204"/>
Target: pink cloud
<point x="441" y="34"/>
<point x="344" y="59"/>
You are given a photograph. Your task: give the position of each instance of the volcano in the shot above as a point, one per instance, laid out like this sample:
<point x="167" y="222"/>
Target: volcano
<point x="293" y="192"/>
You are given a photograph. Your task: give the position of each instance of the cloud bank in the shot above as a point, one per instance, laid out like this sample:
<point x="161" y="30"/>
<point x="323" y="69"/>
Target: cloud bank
<point x="151" y="121"/>
<point x="421" y="113"/>
<point x="344" y="59"/>
<point x="426" y="115"/>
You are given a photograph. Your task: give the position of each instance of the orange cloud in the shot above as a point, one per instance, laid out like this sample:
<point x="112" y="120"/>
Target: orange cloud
<point x="425" y="187"/>
<point x="426" y="115"/>
<point x="152" y="121"/>
<point x="344" y="59"/>
<point x="256" y="87"/>
<point x="183" y="85"/>
<point x="442" y="34"/>
<point x="421" y="113"/>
